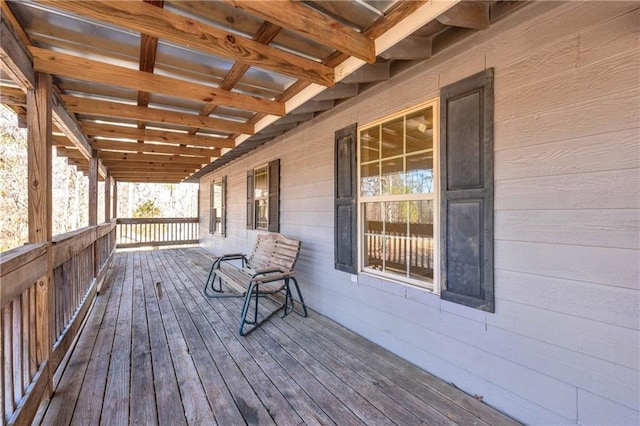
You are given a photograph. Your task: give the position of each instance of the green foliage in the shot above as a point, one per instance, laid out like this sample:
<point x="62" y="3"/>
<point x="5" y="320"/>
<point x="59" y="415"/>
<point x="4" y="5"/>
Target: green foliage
<point x="147" y="208"/>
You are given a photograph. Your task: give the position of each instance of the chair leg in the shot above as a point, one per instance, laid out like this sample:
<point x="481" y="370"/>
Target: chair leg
<point x="304" y="307"/>
<point x="210" y="282"/>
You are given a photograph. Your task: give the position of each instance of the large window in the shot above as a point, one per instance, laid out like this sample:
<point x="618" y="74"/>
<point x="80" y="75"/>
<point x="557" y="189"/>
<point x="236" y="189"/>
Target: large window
<point x="263" y="197"/>
<point x="397" y="196"/>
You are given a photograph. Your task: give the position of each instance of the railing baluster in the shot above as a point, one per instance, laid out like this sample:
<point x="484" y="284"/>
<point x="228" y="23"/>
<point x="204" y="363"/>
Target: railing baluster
<point x="24" y="302"/>
<point x="18" y="388"/>
<point x="3" y="389"/>
<point x="32" y="332"/>
<point x="8" y="359"/>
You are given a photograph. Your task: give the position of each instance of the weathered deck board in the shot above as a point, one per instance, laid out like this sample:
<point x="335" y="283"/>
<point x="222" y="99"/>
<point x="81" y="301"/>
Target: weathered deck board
<point x="156" y="351"/>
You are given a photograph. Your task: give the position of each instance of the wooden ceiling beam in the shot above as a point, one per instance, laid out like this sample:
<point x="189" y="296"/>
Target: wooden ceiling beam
<point x="14" y="57"/>
<point x="118" y="175"/>
<point x="17" y="62"/>
<point x="68" y="124"/>
<point x="57" y="63"/>
<point x="265" y="34"/>
<point x="70" y="153"/>
<point x="172" y="159"/>
<point x="147" y="19"/>
<point x="12" y="96"/>
<point x="119" y="110"/>
<point x="61" y="141"/>
<point x="146" y="168"/>
<point x="151" y="135"/>
<point x="136" y="179"/>
<point x="149" y="148"/>
<point x="148" y="51"/>
<point x="312" y="24"/>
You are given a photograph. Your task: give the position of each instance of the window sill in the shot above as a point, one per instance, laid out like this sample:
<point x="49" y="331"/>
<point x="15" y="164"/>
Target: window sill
<point x="407" y="282"/>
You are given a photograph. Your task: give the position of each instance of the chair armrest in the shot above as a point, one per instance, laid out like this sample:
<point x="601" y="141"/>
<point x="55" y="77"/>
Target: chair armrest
<point x="274" y="276"/>
<point x="268" y="271"/>
<point x="232" y="256"/>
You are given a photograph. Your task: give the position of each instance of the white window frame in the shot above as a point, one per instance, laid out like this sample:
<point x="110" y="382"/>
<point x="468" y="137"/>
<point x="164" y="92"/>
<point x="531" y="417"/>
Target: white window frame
<point x="262" y="197"/>
<point x="435" y="197"/>
<point x="213" y="221"/>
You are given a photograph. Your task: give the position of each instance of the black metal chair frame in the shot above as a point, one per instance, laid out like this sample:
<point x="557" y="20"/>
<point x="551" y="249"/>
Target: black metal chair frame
<point x="253" y="291"/>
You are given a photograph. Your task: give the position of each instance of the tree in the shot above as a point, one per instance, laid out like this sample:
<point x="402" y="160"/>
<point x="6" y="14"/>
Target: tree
<point x="147" y="208"/>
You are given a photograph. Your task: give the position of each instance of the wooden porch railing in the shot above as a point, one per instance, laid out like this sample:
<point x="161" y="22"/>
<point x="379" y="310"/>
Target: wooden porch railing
<point x="399" y="249"/>
<point x="38" y="322"/>
<point x="149" y="232"/>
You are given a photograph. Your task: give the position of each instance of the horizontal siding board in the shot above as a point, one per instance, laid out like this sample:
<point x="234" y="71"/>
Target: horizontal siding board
<point x="610" y="189"/>
<point x="527" y="34"/>
<point x="586" y="83"/>
<point x="616" y="35"/>
<point x="547" y="60"/>
<point x="615" y="111"/>
<point x="595" y="410"/>
<point x="609" y="151"/>
<point x="607" y="342"/>
<point x="615" y="306"/>
<point x="609" y="266"/>
<point x="596" y="227"/>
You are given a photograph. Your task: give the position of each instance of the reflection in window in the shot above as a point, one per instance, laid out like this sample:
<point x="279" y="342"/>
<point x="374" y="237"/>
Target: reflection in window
<point x="261" y="197"/>
<point x="397" y="196"/>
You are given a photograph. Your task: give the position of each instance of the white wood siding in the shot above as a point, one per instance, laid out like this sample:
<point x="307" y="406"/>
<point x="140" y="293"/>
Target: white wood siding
<point x="563" y="344"/>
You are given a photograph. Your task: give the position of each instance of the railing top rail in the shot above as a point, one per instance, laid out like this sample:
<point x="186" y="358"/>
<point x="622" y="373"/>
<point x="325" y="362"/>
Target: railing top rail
<point x="142" y="220"/>
<point x="13" y="259"/>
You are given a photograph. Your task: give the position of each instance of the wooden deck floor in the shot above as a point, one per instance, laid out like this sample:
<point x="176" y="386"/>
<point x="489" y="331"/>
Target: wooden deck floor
<point x="156" y="351"/>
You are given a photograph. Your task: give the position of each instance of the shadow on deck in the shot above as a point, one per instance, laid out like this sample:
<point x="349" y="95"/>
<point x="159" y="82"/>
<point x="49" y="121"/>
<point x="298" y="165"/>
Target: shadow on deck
<point x="154" y="350"/>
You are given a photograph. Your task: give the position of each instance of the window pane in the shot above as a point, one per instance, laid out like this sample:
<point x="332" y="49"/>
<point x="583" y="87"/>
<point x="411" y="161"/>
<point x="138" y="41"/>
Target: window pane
<point x="393" y="176"/>
<point x="392" y="138"/>
<point x="261" y="183"/>
<point x="420" y="130"/>
<point x="217" y="205"/>
<point x="373" y="227"/>
<point x="395" y="237"/>
<point x="370" y="144"/>
<point x="420" y="173"/>
<point x="262" y="219"/>
<point x="421" y="239"/>
<point x="370" y="179"/>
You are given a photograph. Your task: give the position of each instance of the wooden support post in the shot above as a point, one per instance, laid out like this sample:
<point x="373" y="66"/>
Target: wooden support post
<point x="93" y="189"/>
<point x="107" y="197"/>
<point x="115" y="198"/>
<point x="39" y="146"/>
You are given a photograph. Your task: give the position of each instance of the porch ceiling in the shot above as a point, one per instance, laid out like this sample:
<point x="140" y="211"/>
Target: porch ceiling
<point x="178" y="88"/>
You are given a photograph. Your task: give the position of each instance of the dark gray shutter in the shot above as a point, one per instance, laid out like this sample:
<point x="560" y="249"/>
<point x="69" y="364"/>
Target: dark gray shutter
<point x="223" y="203"/>
<point x="250" y="220"/>
<point x="466" y="167"/>
<point x="212" y="211"/>
<point x="274" y="196"/>
<point x="345" y="212"/>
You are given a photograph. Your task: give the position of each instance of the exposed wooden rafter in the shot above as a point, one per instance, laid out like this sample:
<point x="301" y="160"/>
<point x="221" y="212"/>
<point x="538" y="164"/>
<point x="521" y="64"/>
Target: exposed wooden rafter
<point x="154" y="148"/>
<point x="266" y="33"/>
<point x="156" y="22"/>
<point x="151" y="135"/>
<point x="173" y="159"/>
<point x="304" y="20"/>
<point x="119" y="110"/>
<point x="148" y="51"/>
<point x="99" y="72"/>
